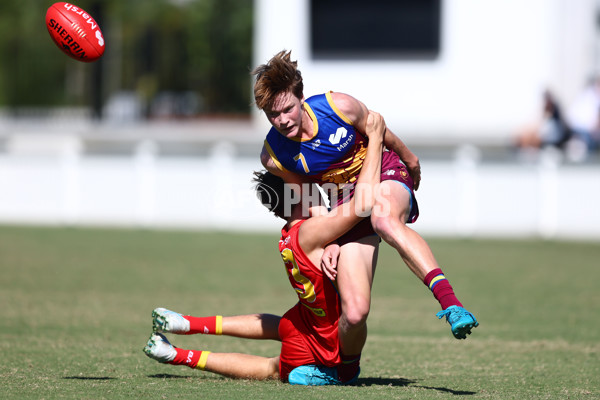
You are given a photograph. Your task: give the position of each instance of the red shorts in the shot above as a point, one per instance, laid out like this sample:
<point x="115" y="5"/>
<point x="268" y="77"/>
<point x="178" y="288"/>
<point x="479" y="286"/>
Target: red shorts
<point x="391" y="169"/>
<point x="298" y="349"/>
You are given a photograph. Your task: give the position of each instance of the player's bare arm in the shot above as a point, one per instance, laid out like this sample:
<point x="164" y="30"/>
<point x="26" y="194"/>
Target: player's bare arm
<point x="316" y="232"/>
<point x="409" y="159"/>
<point x="270" y="165"/>
<point x="291" y="178"/>
<point x="357" y="112"/>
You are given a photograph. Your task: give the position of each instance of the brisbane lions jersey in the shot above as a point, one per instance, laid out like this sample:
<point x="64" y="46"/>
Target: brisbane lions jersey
<point x="334" y="154"/>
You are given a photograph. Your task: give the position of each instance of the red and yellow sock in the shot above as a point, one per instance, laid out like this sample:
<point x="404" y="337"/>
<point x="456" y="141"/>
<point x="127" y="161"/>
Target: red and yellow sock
<point x="191" y="358"/>
<point x="186" y="357"/>
<point x="205" y="325"/>
<point x="441" y="289"/>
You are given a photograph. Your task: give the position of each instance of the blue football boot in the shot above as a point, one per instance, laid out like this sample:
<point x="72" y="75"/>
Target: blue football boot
<point x="460" y="320"/>
<point x="314" y="375"/>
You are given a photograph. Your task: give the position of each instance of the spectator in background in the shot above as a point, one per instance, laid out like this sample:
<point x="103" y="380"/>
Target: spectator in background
<point x="550" y="131"/>
<point x="584" y="118"/>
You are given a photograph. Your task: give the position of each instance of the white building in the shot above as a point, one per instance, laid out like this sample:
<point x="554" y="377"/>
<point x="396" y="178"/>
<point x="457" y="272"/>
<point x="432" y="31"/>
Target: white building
<point x="494" y="59"/>
<point x="477" y="78"/>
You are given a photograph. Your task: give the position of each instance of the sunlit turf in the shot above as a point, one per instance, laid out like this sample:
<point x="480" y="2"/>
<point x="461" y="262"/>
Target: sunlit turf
<point x="76" y="303"/>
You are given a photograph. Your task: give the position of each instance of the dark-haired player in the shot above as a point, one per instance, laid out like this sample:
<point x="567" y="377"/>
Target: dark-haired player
<point x="308" y="331"/>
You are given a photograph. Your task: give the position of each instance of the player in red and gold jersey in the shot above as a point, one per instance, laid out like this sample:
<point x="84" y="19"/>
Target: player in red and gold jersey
<point x="310" y="349"/>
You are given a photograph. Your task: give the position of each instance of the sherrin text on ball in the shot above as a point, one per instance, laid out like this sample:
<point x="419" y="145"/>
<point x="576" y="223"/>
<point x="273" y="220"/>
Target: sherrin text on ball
<point x="75" y="32"/>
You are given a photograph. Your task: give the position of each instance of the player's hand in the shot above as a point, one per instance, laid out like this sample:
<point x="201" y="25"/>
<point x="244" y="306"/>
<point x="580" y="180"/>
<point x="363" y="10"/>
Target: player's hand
<point x="375" y="126"/>
<point x="414" y="169"/>
<point x="329" y="260"/>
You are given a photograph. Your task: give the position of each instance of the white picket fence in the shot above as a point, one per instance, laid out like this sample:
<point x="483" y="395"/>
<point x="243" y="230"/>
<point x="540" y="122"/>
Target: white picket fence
<point x="62" y="180"/>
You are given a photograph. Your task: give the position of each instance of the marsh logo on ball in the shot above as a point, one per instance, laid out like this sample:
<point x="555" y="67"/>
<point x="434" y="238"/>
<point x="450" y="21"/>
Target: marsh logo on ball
<point x="75" y="32"/>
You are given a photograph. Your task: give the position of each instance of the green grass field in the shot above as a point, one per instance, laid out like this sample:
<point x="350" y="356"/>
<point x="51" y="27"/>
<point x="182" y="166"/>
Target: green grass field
<point x="75" y="310"/>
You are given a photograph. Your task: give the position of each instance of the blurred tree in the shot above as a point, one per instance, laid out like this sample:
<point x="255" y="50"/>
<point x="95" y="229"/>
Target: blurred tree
<point x="31" y="69"/>
<point x="225" y="51"/>
<point x="202" y="47"/>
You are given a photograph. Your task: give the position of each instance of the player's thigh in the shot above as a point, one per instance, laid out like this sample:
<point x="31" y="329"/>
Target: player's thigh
<point x="356" y="269"/>
<point x="393" y="200"/>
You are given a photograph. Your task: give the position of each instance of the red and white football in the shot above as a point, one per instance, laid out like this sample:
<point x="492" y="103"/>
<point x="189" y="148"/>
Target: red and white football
<point x="75" y="32"/>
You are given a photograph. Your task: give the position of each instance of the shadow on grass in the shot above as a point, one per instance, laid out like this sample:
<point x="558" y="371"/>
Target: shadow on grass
<point x="359" y="382"/>
<point x="90" y="378"/>
<point x="384" y="382"/>
<point x="407" y="382"/>
<point x="446" y="390"/>
<point x="170" y="376"/>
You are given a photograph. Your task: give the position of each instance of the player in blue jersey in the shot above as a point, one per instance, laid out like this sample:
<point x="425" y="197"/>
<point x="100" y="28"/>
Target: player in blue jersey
<point x="321" y="139"/>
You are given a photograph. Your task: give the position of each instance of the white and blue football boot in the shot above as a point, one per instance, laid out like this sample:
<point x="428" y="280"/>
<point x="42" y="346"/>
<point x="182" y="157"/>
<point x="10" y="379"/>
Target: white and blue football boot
<point x="159" y="348"/>
<point x="164" y="320"/>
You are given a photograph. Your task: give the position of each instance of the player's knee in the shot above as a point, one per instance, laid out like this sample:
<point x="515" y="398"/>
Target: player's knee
<point x="273" y="368"/>
<point x="355" y="314"/>
<point x="387" y="226"/>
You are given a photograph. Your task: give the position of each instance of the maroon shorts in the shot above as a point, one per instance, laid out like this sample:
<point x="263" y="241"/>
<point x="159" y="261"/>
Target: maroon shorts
<point x="392" y="169"/>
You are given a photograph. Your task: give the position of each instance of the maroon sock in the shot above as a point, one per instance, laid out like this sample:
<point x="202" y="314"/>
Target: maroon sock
<point x="441" y="289"/>
<point x="349" y="367"/>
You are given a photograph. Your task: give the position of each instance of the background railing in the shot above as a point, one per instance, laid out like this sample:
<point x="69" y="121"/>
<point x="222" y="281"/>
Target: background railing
<point x="199" y="176"/>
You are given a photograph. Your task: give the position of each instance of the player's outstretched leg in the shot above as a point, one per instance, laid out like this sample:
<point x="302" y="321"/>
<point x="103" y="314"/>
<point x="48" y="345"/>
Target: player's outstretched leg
<point x="461" y="321"/>
<point x="164" y="320"/>
<point x="159" y="349"/>
<point x="233" y="365"/>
